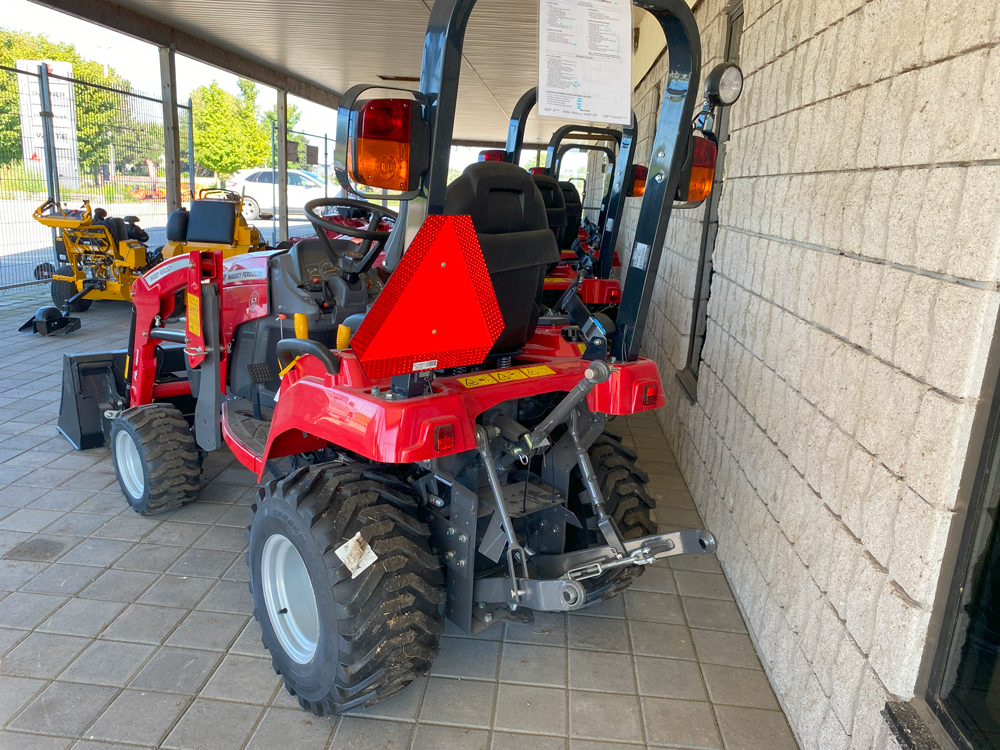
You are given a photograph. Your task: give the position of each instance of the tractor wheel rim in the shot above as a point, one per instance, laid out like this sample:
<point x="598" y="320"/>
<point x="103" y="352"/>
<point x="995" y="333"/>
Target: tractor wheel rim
<point x="129" y="464"/>
<point x="290" y="599"/>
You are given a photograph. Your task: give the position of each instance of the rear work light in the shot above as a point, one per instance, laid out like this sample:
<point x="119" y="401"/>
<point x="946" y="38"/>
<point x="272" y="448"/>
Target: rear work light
<point x="639" y="173"/>
<point x="493" y="154"/>
<point x="444" y="437"/>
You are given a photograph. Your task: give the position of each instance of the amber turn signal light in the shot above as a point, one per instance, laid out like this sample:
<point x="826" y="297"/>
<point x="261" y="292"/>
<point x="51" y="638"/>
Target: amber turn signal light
<point x="638" y="181"/>
<point x="383" y="144"/>
<point x="702" y="169"/>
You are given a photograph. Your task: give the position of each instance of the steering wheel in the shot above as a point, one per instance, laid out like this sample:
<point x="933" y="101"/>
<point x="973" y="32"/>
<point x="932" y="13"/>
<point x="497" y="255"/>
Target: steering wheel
<point x="351" y="261"/>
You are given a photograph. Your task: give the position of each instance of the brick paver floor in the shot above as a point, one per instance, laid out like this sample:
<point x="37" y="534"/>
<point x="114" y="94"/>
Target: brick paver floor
<point x="118" y="631"/>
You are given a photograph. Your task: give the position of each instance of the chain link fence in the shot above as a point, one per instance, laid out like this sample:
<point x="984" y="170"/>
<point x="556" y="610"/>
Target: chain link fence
<point x="108" y="149"/>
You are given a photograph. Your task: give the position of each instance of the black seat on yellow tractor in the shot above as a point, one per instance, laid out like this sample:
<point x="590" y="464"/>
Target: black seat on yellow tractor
<point x="177" y="226"/>
<point x="555" y="204"/>
<point x="574" y="212"/>
<point x="511" y="223"/>
<point x="212" y="221"/>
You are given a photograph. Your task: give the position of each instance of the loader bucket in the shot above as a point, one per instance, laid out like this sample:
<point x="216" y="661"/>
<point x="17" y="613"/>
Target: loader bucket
<point x="92" y="385"/>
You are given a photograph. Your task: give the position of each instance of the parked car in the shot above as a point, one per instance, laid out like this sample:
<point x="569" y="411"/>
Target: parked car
<point x="258" y="185"/>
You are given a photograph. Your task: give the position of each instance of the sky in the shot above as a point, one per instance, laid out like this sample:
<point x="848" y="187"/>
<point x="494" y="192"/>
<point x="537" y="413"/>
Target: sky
<point x="139" y="62"/>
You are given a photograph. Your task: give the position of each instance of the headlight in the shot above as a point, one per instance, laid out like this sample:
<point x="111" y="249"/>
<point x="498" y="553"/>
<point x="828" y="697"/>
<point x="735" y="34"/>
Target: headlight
<point x="724" y="84"/>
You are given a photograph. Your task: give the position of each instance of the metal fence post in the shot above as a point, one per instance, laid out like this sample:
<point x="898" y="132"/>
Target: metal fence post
<point x="171" y="129"/>
<point x="326" y="170"/>
<point x="191" y="147"/>
<point x="274" y="186"/>
<point x="282" y="113"/>
<point x="49" y="141"/>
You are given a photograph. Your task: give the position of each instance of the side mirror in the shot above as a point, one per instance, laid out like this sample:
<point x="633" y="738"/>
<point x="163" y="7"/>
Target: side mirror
<point x="381" y="143"/>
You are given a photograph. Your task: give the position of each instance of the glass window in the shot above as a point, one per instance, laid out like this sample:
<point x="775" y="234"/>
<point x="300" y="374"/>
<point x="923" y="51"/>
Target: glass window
<point x="267" y="177"/>
<point x="297" y="180"/>
<point x="253" y="177"/>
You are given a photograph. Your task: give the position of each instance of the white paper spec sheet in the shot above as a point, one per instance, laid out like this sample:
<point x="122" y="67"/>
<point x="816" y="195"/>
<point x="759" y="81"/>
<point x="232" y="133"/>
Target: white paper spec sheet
<point x="585" y="60"/>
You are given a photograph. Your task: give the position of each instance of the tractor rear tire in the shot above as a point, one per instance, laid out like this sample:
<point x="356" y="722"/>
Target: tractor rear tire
<point x="342" y="640"/>
<point x="623" y="485"/>
<point x="155" y="458"/>
<point x="62" y="291"/>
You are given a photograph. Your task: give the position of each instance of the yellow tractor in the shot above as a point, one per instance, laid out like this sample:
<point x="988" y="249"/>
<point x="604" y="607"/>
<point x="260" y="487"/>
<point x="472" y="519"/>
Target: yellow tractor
<point x="214" y="220"/>
<point x="104" y="255"/>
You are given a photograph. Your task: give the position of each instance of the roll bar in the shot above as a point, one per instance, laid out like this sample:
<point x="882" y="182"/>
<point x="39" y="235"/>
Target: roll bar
<point x="606" y="198"/>
<point x="439" y="75"/>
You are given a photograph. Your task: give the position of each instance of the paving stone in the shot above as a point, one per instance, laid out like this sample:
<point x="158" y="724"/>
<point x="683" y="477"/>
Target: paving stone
<point x="177" y="534"/>
<point x="15" y="693"/>
<point x="604" y="716"/>
<point x="177" y="670"/>
<point x="19" y="497"/>
<point x="531" y="709"/>
<point x="656" y="639"/>
<point x="211" y="630"/>
<point x="106" y="503"/>
<point x="40" y="547"/>
<point x="43" y="655"/>
<point x="297" y="729"/>
<point x="18" y="741"/>
<point x="25" y="611"/>
<point x="548" y="629"/>
<point x="403" y="706"/>
<point x="144" y="623"/>
<point x="753" y="729"/>
<point x="511" y="741"/>
<point x="228" y="596"/>
<point x="712" y="614"/>
<point x="575" y="744"/>
<point x="249" y="642"/>
<point x="655" y="578"/>
<point x="213" y="725"/>
<point x="63" y="579"/>
<point x="10" y="638"/>
<point x="64" y="708"/>
<point x="747" y="688"/>
<point x="119" y="585"/>
<point x="151" y="558"/>
<point x="15" y="573"/>
<point x="229" y="538"/>
<point x="533" y="665"/>
<point x="463" y="702"/>
<point x="139" y="718"/>
<point x="203" y="562"/>
<point x="201" y="512"/>
<point x="126" y="528"/>
<point x="598" y="633"/>
<point x="695" y="563"/>
<point x="466" y="657"/>
<point x="76" y="524"/>
<point x="607" y="672"/>
<point x="108" y="663"/>
<point x="655" y="607"/>
<point x="86" y="617"/>
<point x="611" y="608"/>
<point x="706" y="585"/>
<point x="243" y="679"/>
<point x="727" y="649"/>
<point x="176" y="591"/>
<point x="354" y="733"/>
<point x="670" y="678"/>
<point x="430" y="737"/>
<point x="98" y="552"/>
<point x="30" y="520"/>
<point x="687" y="724"/>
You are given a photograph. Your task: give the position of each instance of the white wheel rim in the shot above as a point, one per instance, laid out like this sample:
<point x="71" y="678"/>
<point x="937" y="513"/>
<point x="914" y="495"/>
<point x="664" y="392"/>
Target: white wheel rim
<point x="249" y="209"/>
<point x="129" y="464"/>
<point x="290" y="599"/>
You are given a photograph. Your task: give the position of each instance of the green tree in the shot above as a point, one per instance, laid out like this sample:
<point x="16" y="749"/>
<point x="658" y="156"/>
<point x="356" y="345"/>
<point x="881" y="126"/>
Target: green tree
<point x="256" y="137"/>
<point x="294" y="114"/>
<point x="99" y="113"/>
<point x="218" y="134"/>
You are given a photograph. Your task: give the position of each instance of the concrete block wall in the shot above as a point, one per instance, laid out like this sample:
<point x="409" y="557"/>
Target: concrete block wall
<point x="854" y="298"/>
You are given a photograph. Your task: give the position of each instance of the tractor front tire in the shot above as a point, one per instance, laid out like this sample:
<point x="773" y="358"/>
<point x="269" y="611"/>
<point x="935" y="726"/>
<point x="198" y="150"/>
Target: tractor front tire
<point x="344" y="633"/>
<point x="155" y="458"/>
<point x="623" y="485"/>
<point x="62" y="291"/>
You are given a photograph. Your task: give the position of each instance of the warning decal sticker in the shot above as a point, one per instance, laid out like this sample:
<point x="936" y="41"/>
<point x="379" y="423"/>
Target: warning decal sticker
<point x="194" y="314"/>
<point x="505" y="376"/>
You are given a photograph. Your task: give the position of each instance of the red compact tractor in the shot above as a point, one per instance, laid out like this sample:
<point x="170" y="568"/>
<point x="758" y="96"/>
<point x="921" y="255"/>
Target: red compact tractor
<point x="439" y="453"/>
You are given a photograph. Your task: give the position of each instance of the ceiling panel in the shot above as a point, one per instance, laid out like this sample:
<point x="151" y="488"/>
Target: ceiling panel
<point x="338" y="43"/>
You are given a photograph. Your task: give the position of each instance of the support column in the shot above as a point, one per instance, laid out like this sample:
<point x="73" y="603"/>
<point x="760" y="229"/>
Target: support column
<point x="49" y="145"/>
<point x="191" y="148"/>
<point x="282" y="149"/>
<point x="171" y="128"/>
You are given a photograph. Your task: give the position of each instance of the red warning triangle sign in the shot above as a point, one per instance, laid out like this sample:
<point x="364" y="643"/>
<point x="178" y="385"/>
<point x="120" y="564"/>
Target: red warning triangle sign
<point x="438" y="308"/>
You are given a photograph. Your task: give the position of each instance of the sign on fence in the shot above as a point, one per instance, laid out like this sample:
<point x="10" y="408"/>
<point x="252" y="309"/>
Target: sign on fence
<point x="63" y="120"/>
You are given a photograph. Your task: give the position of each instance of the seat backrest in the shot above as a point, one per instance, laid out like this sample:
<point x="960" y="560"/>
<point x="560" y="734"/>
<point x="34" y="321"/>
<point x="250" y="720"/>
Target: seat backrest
<point x="511" y="223"/>
<point x="555" y="204"/>
<point x="177" y="225"/>
<point x="574" y="211"/>
<point x="212" y="221"/>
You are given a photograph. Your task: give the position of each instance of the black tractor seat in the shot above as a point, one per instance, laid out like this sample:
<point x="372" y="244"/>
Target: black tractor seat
<point x="207" y="221"/>
<point x="511" y="222"/>
<point x="555" y="204"/>
<point x="574" y="213"/>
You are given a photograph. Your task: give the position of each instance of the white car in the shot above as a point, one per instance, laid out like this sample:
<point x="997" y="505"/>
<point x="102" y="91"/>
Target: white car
<point x="258" y="185"/>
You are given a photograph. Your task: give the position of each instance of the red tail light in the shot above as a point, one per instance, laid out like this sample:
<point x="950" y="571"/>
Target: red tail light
<point x="383" y="144"/>
<point x="537" y="170"/>
<point x="639" y="181"/>
<point x="493" y="154"/>
<point x="702" y="169"/>
<point x="444" y="437"/>
<point x="615" y="295"/>
<point x="649" y="394"/>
